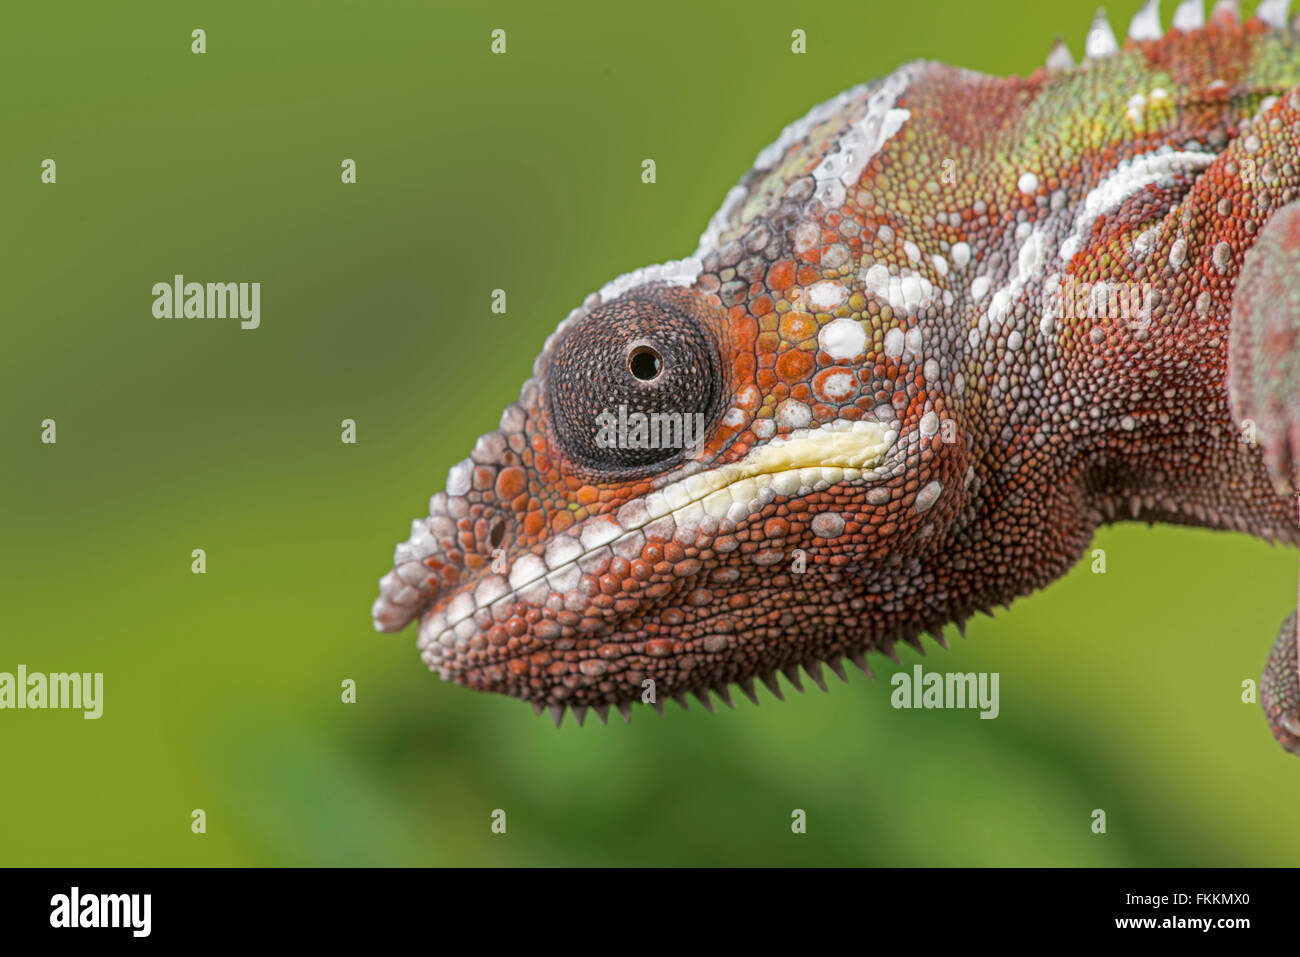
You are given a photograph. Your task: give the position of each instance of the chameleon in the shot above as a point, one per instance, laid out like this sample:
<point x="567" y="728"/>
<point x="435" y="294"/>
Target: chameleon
<point x="945" y="328"/>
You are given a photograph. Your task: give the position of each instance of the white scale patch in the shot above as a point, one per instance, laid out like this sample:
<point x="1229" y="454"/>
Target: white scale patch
<point x="793" y="414"/>
<point x="1029" y="265"/>
<point x="839" y="385"/>
<point x="894" y="342"/>
<point x="1159" y="167"/>
<point x="842" y="338"/>
<point x="906" y="292"/>
<point x="771" y="154"/>
<point x="768" y="157"/>
<point x="826" y="295"/>
<point x="842" y="166"/>
<point x="673" y="272"/>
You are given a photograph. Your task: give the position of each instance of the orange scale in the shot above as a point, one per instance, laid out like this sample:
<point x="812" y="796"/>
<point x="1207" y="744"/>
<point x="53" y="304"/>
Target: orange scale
<point x="794" y="365"/>
<point x="797" y="327"/>
<point x="781" y="276"/>
<point x="511" y="482"/>
<point x="748" y="398"/>
<point x="821" y="380"/>
<point x="776" y="528"/>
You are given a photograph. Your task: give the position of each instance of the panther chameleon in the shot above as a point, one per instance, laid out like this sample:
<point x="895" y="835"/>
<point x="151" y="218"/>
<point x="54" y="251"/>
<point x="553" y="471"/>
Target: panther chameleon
<point x="947" y="326"/>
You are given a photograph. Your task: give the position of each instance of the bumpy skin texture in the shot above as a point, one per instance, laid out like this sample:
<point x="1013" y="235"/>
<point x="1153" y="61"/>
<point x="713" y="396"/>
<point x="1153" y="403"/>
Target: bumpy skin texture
<point x="911" y="411"/>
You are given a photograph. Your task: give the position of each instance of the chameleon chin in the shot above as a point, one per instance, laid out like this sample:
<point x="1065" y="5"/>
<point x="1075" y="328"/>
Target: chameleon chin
<point x="901" y="426"/>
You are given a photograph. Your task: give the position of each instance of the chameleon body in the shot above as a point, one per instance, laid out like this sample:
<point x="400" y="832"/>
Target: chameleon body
<point x="946" y="327"/>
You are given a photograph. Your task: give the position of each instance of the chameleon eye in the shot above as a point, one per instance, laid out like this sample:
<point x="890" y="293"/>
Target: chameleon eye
<point x="633" y="384"/>
<point x="645" y="362"/>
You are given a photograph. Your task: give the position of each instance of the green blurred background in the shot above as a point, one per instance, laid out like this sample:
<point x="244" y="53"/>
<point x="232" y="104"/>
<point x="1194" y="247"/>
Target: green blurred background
<point x="222" y="691"/>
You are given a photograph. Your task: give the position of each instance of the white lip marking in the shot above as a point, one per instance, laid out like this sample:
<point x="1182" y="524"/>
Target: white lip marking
<point x="842" y="450"/>
<point x="460" y="608"/>
<point x="599" y="531"/>
<point x="526" y="570"/>
<point x="561" y="550"/>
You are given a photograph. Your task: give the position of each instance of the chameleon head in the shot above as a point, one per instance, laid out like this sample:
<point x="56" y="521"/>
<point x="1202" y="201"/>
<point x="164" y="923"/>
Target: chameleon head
<point x="744" y="461"/>
<point x="684" y="496"/>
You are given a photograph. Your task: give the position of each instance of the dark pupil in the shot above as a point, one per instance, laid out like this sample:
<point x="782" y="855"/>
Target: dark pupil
<point x="645" y="363"/>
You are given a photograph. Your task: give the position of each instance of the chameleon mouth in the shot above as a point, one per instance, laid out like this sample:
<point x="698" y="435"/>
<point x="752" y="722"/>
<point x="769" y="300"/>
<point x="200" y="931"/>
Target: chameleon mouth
<point x="718" y="499"/>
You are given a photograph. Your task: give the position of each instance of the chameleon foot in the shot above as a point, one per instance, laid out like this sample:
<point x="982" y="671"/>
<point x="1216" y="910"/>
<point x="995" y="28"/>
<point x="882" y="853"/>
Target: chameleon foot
<point x="1280" y="688"/>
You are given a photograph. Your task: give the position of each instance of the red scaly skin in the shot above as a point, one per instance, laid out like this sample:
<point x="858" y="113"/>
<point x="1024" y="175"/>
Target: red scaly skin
<point x="946" y="327"/>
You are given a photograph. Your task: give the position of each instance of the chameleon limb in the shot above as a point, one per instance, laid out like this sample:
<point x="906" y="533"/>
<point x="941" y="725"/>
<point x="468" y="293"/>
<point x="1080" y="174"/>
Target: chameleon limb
<point x="1264" y="389"/>
<point x="1280" y="688"/>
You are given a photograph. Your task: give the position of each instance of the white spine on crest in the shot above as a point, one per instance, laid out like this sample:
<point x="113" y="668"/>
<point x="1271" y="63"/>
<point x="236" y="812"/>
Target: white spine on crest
<point x="1101" y="39"/>
<point x="1189" y="16"/>
<point x="1274" y="12"/>
<point x="1146" y="22"/>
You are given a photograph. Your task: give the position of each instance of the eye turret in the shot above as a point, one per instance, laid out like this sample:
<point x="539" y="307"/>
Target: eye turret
<point x="633" y="383"/>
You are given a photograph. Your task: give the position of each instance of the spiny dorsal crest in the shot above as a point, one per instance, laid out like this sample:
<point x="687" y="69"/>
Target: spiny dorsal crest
<point x="1145" y="26"/>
